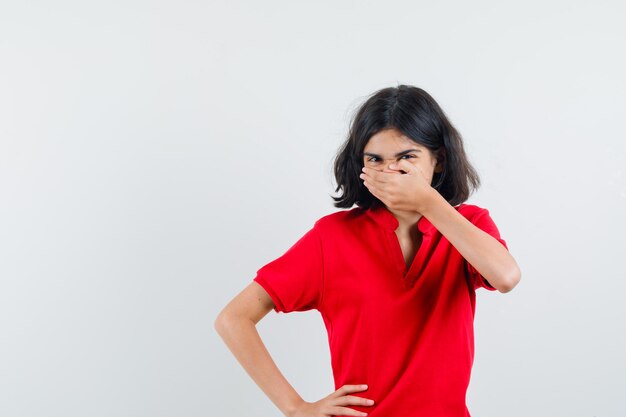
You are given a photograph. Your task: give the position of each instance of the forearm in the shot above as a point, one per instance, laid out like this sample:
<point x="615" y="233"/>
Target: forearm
<point x="243" y="340"/>
<point x="490" y="258"/>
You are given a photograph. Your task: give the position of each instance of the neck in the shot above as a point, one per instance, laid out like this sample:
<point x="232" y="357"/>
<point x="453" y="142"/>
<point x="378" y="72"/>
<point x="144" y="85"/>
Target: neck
<point x="406" y="219"/>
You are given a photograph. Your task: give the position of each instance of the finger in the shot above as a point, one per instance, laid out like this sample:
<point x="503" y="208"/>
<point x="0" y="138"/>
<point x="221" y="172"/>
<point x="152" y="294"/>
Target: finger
<point x="347" y="389"/>
<point x="370" y="183"/>
<point x="353" y="400"/>
<point x="343" y="411"/>
<point x="364" y="179"/>
<point x="375" y="191"/>
<point x="372" y="176"/>
<point x="405" y="166"/>
<point x="378" y="188"/>
<point x="377" y="177"/>
<point x="388" y="176"/>
<point x="374" y="173"/>
<point x="368" y="173"/>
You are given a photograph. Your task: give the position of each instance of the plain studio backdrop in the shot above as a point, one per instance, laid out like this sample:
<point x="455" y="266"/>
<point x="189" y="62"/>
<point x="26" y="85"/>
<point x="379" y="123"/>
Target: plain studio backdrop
<point x="155" y="154"/>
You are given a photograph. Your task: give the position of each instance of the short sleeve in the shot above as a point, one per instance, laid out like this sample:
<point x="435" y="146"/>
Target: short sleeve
<point x="294" y="280"/>
<point x="484" y="222"/>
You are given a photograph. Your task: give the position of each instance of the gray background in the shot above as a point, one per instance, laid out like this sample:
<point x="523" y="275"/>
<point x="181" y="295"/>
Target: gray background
<point x="155" y="154"/>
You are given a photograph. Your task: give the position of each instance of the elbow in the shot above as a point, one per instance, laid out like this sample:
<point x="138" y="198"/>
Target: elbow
<point x="511" y="280"/>
<point x="220" y="324"/>
<point x="228" y="321"/>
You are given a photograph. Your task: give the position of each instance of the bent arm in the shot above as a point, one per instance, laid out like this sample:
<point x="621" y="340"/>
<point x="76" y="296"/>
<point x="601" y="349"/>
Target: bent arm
<point x="490" y="258"/>
<point x="236" y="324"/>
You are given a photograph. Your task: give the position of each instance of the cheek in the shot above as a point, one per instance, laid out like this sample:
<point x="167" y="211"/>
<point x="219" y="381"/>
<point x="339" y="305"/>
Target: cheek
<point x="423" y="167"/>
<point x="427" y="170"/>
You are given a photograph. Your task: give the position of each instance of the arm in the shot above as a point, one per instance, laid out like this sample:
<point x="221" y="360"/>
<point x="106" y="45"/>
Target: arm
<point x="490" y="258"/>
<point x="236" y="324"/>
<point x="414" y="192"/>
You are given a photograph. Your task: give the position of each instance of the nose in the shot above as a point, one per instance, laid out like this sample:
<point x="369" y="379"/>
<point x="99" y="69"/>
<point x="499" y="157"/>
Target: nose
<point x="386" y="165"/>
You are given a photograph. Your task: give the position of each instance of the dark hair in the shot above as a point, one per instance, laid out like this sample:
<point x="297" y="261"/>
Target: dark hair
<point x="417" y="115"/>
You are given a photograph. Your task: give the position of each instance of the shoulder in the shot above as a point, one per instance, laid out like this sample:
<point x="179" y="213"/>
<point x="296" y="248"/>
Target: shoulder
<point x="471" y="211"/>
<point x="339" y="220"/>
<point x="480" y="217"/>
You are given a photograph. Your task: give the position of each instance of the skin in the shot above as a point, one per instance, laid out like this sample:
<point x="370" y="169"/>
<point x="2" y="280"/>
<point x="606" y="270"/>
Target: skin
<point x="381" y="154"/>
<point x="236" y="324"/>
<point x="403" y="184"/>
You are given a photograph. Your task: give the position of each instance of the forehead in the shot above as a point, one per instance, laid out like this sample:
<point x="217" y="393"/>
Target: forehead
<point x="389" y="140"/>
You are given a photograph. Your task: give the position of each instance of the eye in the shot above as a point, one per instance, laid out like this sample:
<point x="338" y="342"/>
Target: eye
<point x="372" y="159"/>
<point x="409" y="155"/>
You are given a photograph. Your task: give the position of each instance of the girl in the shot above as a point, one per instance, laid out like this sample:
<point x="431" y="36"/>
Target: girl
<point x="393" y="278"/>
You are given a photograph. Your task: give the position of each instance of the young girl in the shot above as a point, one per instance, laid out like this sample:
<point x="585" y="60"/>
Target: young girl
<point x="393" y="278"/>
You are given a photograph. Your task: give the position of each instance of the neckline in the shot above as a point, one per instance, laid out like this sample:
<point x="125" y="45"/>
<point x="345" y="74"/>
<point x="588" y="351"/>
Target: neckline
<point x="385" y="218"/>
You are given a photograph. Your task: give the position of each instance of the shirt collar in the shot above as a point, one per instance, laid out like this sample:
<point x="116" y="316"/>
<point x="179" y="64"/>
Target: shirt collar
<point x="385" y="218"/>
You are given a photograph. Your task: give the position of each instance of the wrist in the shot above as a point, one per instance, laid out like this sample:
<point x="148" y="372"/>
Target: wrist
<point x="293" y="405"/>
<point x="431" y="202"/>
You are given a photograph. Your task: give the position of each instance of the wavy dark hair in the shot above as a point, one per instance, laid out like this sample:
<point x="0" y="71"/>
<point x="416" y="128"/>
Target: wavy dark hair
<point x="417" y="115"/>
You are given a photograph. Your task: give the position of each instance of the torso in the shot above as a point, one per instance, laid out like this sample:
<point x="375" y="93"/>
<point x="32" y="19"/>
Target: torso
<point x="419" y="323"/>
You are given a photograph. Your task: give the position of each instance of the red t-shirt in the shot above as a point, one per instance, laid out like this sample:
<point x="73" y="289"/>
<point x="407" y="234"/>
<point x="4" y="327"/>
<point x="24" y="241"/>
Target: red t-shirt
<point x="409" y="335"/>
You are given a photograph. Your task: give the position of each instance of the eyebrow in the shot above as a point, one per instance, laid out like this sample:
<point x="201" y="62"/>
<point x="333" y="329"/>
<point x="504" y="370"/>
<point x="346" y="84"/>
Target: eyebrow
<point x="398" y="154"/>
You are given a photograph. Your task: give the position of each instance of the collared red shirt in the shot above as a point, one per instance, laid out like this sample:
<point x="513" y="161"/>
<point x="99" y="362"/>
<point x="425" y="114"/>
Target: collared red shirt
<point x="407" y="333"/>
